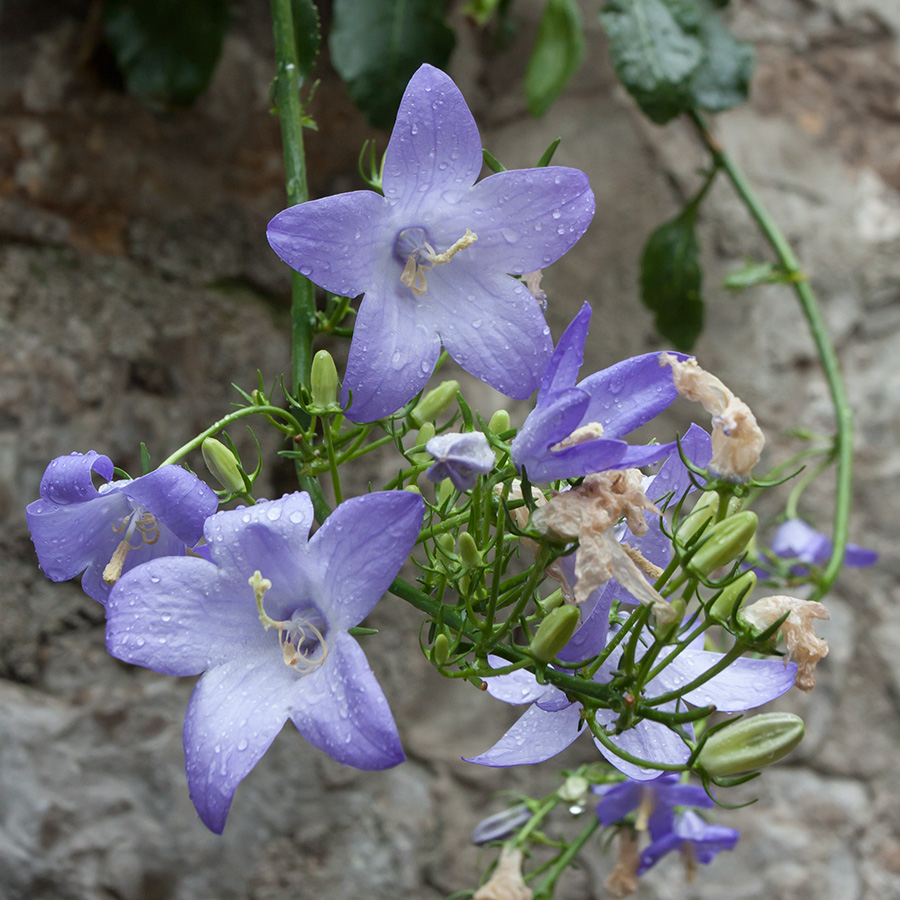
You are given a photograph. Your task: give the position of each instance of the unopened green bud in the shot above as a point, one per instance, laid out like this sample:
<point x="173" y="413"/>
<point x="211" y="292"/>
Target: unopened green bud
<point x="323" y="381"/>
<point x="437" y="401"/>
<point x="574" y="788"/>
<point x="724" y="542"/>
<point x="704" y="512"/>
<point x="440" y="652"/>
<point x="751" y="744"/>
<point x="469" y="552"/>
<point x="550" y="603"/>
<point x="554" y="632"/>
<point x="222" y="465"/>
<point x="413" y="489"/>
<point x="499" y="422"/>
<point x="445" y="489"/>
<point x="739" y="589"/>
<point x="426" y="433"/>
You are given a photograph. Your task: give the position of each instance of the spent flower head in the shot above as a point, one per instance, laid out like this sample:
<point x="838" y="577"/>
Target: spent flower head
<point x="435" y="254"/>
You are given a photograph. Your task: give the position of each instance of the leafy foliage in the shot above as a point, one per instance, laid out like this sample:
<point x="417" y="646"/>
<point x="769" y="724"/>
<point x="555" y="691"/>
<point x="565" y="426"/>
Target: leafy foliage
<point x="376" y="46"/>
<point x="557" y="54"/>
<point x="166" y="49"/>
<point x="671" y="280"/>
<point x="307" y="34"/>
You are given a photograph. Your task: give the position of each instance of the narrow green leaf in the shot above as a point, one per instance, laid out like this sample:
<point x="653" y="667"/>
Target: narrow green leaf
<point x="557" y="54"/>
<point x="491" y="161"/>
<point x="671" y="280"/>
<point x="307" y="34"/>
<point x="377" y="45"/>
<point x="145" y="459"/>
<point x="654" y="55"/>
<point x="166" y="49"/>
<point x="547" y="156"/>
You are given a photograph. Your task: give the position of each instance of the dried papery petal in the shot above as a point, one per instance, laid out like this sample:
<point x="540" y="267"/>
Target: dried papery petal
<point x="737" y="440"/>
<point x="800" y="641"/>
<point x="506" y="883"/>
<point x="623" y="880"/>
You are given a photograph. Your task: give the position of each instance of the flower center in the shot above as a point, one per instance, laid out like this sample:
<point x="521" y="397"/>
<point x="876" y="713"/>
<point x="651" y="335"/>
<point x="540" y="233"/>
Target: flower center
<point x="413" y="246"/>
<point x="301" y="638"/>
<point x="145" y="525"/>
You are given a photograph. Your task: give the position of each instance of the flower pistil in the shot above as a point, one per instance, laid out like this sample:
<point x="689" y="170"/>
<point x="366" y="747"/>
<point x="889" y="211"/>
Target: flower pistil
<point x="423" y="256"/>
<point x="142" y="522"/>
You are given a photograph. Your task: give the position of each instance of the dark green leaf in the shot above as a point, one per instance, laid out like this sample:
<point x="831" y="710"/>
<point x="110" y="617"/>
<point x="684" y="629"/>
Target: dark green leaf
<point x="723" y="78"/>
<point x="307" y="34"/>
<point x="671" y="280"/>
<point x="547" y="156"/>
<point x="377" y="45"/>
<point x="557" y="54"/>
<point x="167" y="49"/>
<point x="145" y="459"/>
<point x="654" y="55"/>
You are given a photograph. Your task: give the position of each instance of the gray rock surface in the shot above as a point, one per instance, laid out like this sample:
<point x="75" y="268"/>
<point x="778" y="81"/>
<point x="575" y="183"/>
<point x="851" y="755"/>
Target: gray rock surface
<point x="136" y="285"/>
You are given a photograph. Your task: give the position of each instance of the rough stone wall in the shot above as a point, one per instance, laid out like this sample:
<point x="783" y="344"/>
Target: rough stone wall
<point x="136" y="285"/>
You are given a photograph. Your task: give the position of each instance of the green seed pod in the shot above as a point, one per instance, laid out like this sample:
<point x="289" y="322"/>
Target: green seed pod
<point x="723" y="605"/>
<point x="724" y="542"/>
<point x="469" y="552"/>
<point x="426" y="433"/>
<point x="440" y="652"/>
<point x="222" y="465"/>
<point x="437" y="401"/>
<point x="323" y="381"/>
<point x="499" y="422"/>
<point x="554" y="632"/>
<point x="751" y="744"/>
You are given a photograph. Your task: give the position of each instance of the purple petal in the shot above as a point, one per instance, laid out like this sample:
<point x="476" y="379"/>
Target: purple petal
<point x="515" y="688"/>
<point x="705" y="840"/>
<point x="337" y="242"/>
<point x="673" y="476"/>
<point x="490" y="324"/>
<point x="175" y="497"/>
<point x="546" y="425"/>
<point x="435" y="147"/>
<point x="183" y="615"/>
<point x="794" y="538"/>
<point x="562" y="370"/>
<point x="745" y="684"/>
<point x="647" y="740"/>
<point x="525" y="219"/>
<point x="68" y="479"/>
<point x="392" y="354"/>
<point x="234" y="714"/>
<point x="859" y="557"/>
<point x="536" y="736"/>
<point x="618" y="800"/>
<point x="360" y="549"/>
<point x="343" y="711"/>
<point x="67" y="539"/>
<point x="590" y="638"/>
<point x="629" y="394"/>
<point x="460" y="457"/>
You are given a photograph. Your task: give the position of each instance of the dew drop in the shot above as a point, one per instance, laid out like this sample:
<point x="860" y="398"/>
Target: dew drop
<point x="273" y="513"/>
<point x="154" y="579"/>
<point x="242" y="744"/>
<point x="510" y="236"/>
<point x="476" y="323"/>
<point x="414" y="129"/>
<point x="296" y="517"/>
<point x="556" y="214"/>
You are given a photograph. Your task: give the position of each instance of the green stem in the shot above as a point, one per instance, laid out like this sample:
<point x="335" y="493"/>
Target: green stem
<point x="561" y="863"/>
<point x="290" y="114"/>
<point x="809" y="304"/>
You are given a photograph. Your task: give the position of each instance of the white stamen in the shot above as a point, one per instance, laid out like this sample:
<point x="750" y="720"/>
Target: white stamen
<point x="414" y="271"/>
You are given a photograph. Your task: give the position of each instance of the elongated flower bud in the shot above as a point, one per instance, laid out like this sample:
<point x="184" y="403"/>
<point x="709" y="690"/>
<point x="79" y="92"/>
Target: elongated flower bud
<point x="222" y="465"/>
<point x="440" y="652"/>
<point x="554" y="632"/>
<point x="742" y="587"/>
<point x="426" y="433"/>
<point x="726" y="540"/>
<point x="323" y="381"/>
<point x="437" y="401"/>
<point x="751" y="744"/>
<point x="499" y="422"/>
<point x="704" y="511"/>
<point x="469" y="552"/>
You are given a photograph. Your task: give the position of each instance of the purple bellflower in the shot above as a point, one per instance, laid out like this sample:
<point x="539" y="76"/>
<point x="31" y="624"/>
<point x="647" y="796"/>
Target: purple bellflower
<point x="794" y="539"/>
<point x="697" y="840"/>
<point x="434" y="255"/>
<point x="576" y="430"/>
<point x="266" y="619"/>
<point x="459" y="457"/>
<point x="654" y="801"/>
<point x="106" y="531"/>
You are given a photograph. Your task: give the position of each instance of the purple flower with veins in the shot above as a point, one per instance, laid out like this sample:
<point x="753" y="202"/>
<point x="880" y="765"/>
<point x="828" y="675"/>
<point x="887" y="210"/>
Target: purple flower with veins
<point x="435" y="254"/>
<point x="266" y="619"/>
<point x="697" y="840"/>
<point x="459" y="457"/>
<point x="654" y="801"/>
<point x="553" y="722"/>
<point x="576" y="430"/>
<point x="107" y="530"/>
<point x="794" y="539"/>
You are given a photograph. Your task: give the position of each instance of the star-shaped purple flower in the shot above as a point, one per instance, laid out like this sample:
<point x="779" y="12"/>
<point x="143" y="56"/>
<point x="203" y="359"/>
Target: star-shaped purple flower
<point x="434" y="255"/>
<point x="656" y="801"/>
<point x="795" y="539"/>
<point x="459" y="457"/>
<point x="109" y="530"/>
<point x="576" y="430"/>
<point x="696" y="839"/>
<point x="266" y="619"/>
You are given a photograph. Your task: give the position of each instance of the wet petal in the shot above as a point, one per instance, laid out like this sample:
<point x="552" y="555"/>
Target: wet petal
<point x="337" y="242"/>
<point x="68" y="479"/>
<point x="459" y="457"/>
<point x="343" y="712"/>
<point x="234" y="714"/>
<point x="568" y="356"/>
<point x="647" y="740"/>
<point x="515" y="688"/>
